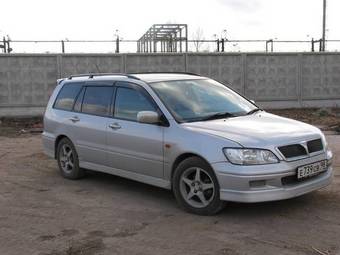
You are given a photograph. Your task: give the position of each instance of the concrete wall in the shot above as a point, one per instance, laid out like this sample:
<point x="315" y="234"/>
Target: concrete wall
<point x="275" y="80"/>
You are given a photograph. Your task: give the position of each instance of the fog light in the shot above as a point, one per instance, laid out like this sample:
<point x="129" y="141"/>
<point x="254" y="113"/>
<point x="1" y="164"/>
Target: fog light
<point x="257" y="184"/>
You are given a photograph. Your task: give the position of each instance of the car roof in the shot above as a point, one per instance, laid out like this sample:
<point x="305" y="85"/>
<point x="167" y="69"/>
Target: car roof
<point x="146" y="77"/>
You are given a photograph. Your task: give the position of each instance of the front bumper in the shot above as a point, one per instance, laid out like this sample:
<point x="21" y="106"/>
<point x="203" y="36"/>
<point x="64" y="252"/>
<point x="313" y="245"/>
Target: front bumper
<point x="268" y="182"/>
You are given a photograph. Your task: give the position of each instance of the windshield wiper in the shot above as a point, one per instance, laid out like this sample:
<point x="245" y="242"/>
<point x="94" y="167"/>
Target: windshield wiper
<point x="219" y="115"/>
<point x="254" y="110"/>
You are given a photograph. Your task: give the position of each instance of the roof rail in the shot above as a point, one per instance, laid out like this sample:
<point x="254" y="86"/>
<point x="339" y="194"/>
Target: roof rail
<point x="91" y="75"/>
<point x="189" y="73"/>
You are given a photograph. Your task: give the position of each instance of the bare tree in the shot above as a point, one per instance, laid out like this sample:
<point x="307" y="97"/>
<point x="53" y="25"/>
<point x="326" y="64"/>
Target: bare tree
<point x="198" y="36"/>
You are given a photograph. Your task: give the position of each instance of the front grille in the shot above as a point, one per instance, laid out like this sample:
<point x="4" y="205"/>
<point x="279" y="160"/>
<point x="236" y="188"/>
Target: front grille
<point x="298" y="150"/>
<point x="292" y="151"/>
<point x="314" y="145"/>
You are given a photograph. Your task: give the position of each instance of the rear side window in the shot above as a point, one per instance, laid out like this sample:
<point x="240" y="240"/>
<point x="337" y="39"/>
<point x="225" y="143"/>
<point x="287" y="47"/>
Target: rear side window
<point x="77" y="104"/>
<point x="67" y="96"/>
<point x="97" y="100"/>
<point x="129" y="102"/>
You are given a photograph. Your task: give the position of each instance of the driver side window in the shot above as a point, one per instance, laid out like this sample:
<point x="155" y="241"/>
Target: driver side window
<point x="129" y="102"/>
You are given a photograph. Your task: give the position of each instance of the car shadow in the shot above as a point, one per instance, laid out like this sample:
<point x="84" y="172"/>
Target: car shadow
<point x="312" y="201"/>
<point x="117" y="183"/>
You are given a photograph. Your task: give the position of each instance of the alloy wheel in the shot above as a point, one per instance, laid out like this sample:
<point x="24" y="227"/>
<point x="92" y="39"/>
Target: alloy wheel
<point x="197" y="187"/>
<point x="66" y="158"/>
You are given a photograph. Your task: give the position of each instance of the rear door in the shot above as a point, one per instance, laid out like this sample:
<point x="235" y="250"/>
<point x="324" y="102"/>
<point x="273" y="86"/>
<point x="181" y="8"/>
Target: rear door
<point x="63" y="119"/>
<point x="92" y="111"/>
<point x="134" y="146"/>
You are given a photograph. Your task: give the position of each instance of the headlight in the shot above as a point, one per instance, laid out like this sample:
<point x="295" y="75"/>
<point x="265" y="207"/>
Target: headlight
<point x="250" y="156"/>
<point x="329" y="155"/>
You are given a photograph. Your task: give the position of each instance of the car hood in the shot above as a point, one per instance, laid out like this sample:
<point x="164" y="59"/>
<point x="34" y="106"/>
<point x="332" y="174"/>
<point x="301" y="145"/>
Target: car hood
<point x="259" y="130"/>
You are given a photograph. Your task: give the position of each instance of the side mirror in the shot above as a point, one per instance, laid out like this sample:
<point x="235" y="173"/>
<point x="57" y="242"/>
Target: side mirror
<point x="148" y="117"/>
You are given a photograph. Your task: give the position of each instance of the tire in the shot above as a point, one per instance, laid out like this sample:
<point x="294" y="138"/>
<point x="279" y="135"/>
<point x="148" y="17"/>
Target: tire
<point x="68" y="161"/>
<point x="196" y="188"/>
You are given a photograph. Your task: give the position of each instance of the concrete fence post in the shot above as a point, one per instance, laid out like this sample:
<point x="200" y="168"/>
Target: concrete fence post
<point x="123" y="63"/>
<point x="244" y="73"/>
<point x="299" y="79"/>
<point x="59" y="66"/>
<point x="185" y="55"/>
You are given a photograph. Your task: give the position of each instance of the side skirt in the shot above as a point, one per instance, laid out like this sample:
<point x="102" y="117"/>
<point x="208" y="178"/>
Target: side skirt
<point x="127" y="174"/>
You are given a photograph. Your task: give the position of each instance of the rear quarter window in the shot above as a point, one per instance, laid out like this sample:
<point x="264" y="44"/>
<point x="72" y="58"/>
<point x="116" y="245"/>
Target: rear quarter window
<point x="67" y="96"/>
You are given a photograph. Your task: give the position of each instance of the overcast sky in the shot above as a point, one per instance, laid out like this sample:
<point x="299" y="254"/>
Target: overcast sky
<point x="243" y="19"/>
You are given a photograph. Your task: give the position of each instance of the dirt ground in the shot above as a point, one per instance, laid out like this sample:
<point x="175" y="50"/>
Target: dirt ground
<point x="42" y="213"/>
<point x="325" y="118"/>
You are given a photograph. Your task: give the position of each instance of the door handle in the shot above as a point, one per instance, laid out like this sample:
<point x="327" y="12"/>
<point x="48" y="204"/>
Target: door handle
<point x="115" y="126"/>
<point x="74" y="119"/>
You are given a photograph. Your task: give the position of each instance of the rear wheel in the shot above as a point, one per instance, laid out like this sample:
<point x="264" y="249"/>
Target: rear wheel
<point x="196" y="188"/>
<point x="68" y="161"/>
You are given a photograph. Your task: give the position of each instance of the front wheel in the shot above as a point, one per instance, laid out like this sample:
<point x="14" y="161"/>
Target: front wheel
<point x="196" y="188"/>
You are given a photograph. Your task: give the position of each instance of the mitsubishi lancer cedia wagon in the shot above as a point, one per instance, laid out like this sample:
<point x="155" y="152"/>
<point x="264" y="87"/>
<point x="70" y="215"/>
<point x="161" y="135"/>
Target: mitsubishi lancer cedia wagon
<point x="183" y="132"/>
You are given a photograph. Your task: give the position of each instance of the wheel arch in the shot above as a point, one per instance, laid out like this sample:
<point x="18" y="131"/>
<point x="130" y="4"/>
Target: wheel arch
<point x="183" y="157"/>
<point x="57" y="140"/>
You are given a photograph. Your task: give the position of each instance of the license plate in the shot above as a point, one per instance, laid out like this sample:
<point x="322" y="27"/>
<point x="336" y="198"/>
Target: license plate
<point x="311" y="169"/>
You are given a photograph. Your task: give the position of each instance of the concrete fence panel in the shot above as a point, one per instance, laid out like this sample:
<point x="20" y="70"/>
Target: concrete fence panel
<point x="78" y="64"/>
<point x="320" y="76"/>
<point x="26" y="82"/>
<point x="272" y="77"/>
<point x="225" y="68"/>
<point x="155" y="63"/>
<point x="274" y="80"/>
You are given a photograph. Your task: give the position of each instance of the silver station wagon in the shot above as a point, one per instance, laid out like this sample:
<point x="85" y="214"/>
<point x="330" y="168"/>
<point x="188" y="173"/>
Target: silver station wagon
<point x="183" y="132"/>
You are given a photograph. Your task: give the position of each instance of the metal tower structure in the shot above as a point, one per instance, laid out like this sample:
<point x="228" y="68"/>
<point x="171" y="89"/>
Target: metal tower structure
<point x="170" y="38"/>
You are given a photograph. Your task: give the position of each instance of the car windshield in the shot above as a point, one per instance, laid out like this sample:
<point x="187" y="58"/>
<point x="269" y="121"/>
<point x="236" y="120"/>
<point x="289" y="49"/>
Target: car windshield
<point x="201" y="99"/>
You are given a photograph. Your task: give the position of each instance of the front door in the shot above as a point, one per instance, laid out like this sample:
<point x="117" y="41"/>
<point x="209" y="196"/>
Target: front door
<point x="134" y="146"/>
